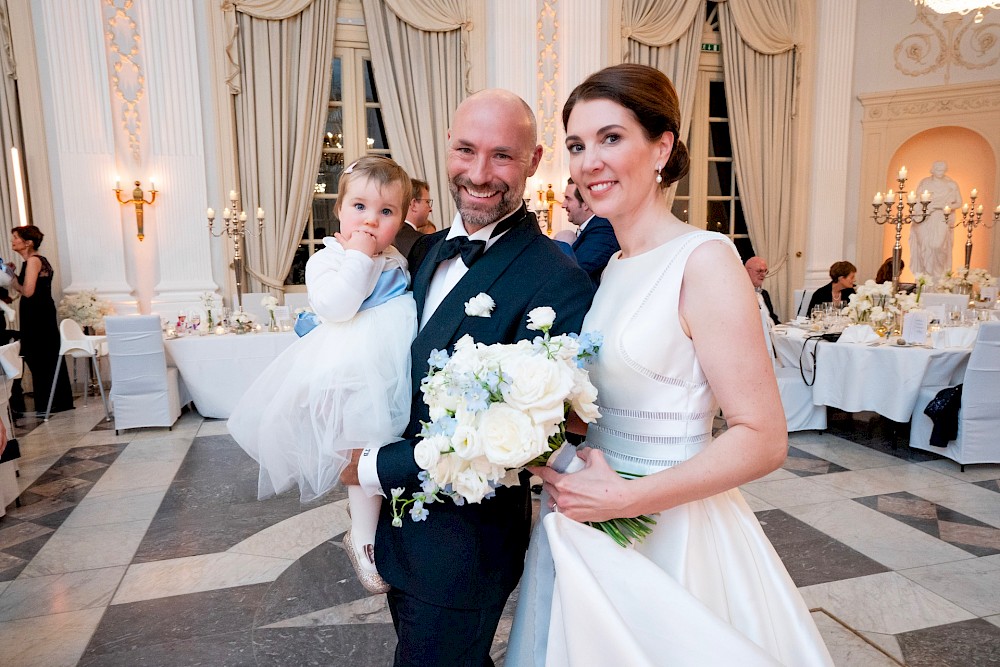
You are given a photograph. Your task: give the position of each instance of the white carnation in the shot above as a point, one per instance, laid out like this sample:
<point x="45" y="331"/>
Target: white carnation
<point x="480" y="305"/>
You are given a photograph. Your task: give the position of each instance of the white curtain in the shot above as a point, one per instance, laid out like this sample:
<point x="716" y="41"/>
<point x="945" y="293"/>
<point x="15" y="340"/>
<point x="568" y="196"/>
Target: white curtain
<point x="427" y="55"/>
<point x="666" y="34"/>
<point x="10" y="133"/>
<point x="282" y="60"/>
<point x="759" y="55"/>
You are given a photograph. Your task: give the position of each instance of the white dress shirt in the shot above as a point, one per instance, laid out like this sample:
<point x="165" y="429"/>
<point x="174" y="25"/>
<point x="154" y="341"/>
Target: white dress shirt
<point x="446" y="276"/>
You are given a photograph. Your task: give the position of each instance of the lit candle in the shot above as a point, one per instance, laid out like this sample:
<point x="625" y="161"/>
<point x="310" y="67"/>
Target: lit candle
<point x="965" y="208"/>
<point x="925" y="196"/>
<point x="902" y="173"/>
<point x="219" y="330"/>
<point x="878" y="199"/>
<point x="260" y="213"/>
<point x="211" y="214"/>
<point x="118" y="184"/>
<point x="997" y="209"/>
<point x="152" y="186"/>
<point x="912" y="197"/>
<point x="890" y="196"/>
<point x="226" y="213"/>
<point x="974" y="193"/>
<point x="243" y="216"/>
<point x="232" y="195"/>
<point x="947" y="210"/>
<point x="979" y="209"/>
<point x="258" y="328"/>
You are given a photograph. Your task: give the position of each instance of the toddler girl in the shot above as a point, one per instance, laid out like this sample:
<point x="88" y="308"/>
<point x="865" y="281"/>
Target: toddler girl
<point x="346" y="384"/>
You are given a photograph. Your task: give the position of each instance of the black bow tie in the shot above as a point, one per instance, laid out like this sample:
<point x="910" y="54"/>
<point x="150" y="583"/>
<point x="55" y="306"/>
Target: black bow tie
<point x="470" y="250"/>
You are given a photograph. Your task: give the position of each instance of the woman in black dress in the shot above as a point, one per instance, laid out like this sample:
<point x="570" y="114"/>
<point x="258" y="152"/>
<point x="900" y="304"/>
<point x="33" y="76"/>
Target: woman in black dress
<point x="39" y="330"/>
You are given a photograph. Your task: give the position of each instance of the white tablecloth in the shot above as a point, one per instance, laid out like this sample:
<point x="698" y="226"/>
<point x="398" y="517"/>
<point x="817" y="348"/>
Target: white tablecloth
<point x="218" y="369"/>
<point x="883" y="379"/>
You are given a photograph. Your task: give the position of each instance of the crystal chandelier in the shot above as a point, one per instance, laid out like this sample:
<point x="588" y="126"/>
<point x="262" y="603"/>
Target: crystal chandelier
<point x="962" y="7"/>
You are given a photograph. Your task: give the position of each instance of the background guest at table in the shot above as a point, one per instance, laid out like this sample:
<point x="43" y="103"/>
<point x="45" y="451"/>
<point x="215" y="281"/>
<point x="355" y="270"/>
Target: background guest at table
<point x="39" y="329"/>
<point x="840" y="287"/>
<point x="595" y="238"/>
<point x="565" y="239"/>
<point x="421" y="206"/>
<point x="884" y="273"/>
<point x="757" y="270"/>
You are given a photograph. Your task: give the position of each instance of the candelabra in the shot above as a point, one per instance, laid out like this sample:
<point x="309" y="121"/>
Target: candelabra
<point x="972" y="217"/>
<point x="235" y="226"/>
<point x="898" y="218"/>
<point x="543" y="208"/>
<point x="137" y="199"/>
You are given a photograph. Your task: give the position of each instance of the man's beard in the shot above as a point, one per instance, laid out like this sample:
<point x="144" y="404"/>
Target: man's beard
<point x="477" y="217"/>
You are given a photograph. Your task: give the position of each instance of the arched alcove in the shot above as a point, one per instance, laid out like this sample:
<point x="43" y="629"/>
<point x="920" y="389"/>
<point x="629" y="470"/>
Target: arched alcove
<point x="971" y="163"/>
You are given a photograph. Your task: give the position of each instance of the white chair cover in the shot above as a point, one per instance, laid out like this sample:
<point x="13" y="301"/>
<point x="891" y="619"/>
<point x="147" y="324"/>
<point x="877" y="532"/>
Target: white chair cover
<point x="144" y="391"/>
<point x="796" y="395"/>
<point x="296" y="300"/>
<point x="10" y="365"/>
<point x="252" y="305"/>
<point x="949" y="301"/>
<point x="979" y="417"/>
<point x="802" y="298"/>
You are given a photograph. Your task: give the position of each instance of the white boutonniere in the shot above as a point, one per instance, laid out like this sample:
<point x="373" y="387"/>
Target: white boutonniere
<point x="480" y="305"/>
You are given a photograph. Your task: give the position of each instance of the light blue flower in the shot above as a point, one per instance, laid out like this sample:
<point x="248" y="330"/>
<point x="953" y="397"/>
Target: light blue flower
<point x="438" y="358"/>
<point x="476" y="398"/>
<point x="429" y="486"/>
<point x="492" y="381"/>
<point x="418" y="512"/>
<point x="442" y="426"/>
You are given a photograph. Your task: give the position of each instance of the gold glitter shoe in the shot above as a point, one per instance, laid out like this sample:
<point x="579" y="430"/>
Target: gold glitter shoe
<point x="364" y="566"/>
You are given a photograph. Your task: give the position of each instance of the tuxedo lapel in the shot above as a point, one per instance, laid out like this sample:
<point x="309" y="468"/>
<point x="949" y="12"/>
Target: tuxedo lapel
<point x="443" y="325"/>
<point x="422" y="279"/>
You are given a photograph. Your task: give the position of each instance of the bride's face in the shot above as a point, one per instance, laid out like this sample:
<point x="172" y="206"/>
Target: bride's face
<point x="611" y="159"/>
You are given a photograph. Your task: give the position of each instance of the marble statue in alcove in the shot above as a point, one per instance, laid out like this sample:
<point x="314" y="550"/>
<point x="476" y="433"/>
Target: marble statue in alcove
<point x="931" y="240"/>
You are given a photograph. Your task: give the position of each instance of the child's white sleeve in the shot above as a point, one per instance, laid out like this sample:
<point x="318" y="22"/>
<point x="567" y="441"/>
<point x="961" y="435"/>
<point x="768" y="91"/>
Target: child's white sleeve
<point x="338" y="281"/>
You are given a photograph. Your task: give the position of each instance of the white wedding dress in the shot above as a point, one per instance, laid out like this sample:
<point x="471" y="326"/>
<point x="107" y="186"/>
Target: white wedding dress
<point x="706" y="587"/>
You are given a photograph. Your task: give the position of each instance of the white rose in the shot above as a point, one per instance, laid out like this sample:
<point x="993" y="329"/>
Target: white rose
<point x="480" y="305"/>
<point x="509" y="438"/>
<point x="584" y="397"/>
<point x="471" y="485"/>
<point x="427" y="452"/>
<point x="446" y="468"/>
<point x="466" y="442"/>
<point x="539" y="386"/>
<point x="541" y="318"/>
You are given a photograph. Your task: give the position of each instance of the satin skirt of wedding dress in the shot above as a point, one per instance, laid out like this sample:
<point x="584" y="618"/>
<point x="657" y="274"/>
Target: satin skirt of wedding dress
<point x="706" y="588"/>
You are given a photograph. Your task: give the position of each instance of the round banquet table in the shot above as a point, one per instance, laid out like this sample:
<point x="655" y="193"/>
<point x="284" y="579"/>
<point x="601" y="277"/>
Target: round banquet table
<point x="884" y="378"/>
<point x="218" y="369"/>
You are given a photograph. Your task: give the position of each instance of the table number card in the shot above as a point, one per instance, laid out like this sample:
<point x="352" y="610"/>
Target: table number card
<point x="915" y="326"/>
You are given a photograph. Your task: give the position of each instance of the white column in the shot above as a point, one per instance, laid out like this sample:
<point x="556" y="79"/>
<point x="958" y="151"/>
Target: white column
<point x="828" y="209"/>
<point x="78" y="121"/>
<point x="177" y="148"/>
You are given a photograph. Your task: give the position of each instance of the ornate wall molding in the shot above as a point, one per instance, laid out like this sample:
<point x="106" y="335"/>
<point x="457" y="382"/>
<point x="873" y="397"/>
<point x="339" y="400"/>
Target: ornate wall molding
<point x="128" y="82"/>
<point x="950" y="41"/>
<point x="547" y="36"/>
<point x="919" y="103"/>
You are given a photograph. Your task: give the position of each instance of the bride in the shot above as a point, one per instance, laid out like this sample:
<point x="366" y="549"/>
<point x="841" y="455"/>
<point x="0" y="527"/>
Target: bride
<point x="682" y="338"/>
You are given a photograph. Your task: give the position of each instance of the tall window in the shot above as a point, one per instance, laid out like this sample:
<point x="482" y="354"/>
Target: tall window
<point x="708" y="196"/>
<point x="354" y="128"/>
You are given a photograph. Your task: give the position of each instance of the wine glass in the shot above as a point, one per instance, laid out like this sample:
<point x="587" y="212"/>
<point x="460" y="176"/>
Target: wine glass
<point x="195" y="320"/>
<point x="954" y="317"/>
<point x="181" y="320"/>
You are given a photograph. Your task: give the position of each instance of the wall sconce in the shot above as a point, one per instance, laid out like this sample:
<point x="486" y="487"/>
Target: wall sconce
<point x="138" y="200"/>
<point x="544" y="207"/>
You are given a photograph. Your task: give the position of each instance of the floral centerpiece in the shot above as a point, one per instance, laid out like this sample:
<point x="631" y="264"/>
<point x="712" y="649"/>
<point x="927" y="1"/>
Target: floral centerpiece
<point x="965" y="281"/>
<point x="241" y="322"/>
<point x="209" y="301"/>
<point x="85" y="308"/>
<point x="270" y="302"/>
<point x="877" y="306"/>
<point x="497" y="408"/>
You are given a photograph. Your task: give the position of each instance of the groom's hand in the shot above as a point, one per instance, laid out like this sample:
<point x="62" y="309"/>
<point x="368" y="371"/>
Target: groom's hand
<point x="349" y="476"/>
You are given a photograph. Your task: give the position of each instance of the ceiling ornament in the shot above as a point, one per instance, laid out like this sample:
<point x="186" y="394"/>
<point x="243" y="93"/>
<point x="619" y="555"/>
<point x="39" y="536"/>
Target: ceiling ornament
<point x="950" y="41"/>
<point x="962" y="7"/>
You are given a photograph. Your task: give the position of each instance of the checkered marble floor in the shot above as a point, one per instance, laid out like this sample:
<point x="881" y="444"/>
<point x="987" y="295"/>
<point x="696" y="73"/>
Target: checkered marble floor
<point x="150" y="548"/>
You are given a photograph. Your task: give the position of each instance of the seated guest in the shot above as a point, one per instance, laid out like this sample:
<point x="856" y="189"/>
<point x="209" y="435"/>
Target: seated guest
<point x="757" y="270"/>
<point x="840" y="287"/>
<point x="884" y="273"/>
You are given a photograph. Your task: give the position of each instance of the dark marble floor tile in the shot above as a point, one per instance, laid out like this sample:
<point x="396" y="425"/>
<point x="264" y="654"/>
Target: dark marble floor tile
<point x="804" y="464"/>
<point x="138" y="626"/>
<point x="991" y="484"/>
<point x="40" y="506"/>
<point x="104" y="425"/>
<point x="876" y="432"/>
<point x="96" y="451"/>
<point x="233" y="649"/>
<point x="187" y="496"/>
<point x="369" y="645"/>
<point x="29" y="548"/>
<point x="811" y="556"/>
<point x="10" y="566"/>
<point x="974" y="643"/>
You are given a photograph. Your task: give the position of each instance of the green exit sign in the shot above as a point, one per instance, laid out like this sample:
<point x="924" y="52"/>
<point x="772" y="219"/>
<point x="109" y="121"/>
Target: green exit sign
<point x="711" y="47"/>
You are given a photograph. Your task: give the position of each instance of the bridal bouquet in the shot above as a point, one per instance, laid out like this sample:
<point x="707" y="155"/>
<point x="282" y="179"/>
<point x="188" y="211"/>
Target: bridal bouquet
<point x="85" y="308"/>
<point x="497" y="408"/>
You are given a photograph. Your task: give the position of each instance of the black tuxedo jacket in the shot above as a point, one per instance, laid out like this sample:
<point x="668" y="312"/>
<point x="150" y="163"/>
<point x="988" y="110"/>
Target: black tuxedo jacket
<point x="594" y="247"/>
<point x="471" y="557"/>
<point x="770" y="308"/>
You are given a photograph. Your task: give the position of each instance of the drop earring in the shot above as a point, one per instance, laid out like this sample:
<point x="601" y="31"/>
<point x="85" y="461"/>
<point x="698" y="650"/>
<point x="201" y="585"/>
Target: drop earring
<point x="659" y="176"/>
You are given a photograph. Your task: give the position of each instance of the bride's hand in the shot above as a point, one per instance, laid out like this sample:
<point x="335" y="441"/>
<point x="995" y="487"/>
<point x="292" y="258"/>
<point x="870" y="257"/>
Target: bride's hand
<point x="596" y="493"/>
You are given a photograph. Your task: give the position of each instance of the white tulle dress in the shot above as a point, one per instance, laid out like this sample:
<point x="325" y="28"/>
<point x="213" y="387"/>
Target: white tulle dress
<point x="345" y="385"/>
<point x="707" y="587"/>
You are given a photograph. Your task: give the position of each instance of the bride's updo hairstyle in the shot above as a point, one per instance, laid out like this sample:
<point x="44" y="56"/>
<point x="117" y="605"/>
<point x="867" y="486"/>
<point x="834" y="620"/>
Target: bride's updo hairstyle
<point x="650" y="96"/>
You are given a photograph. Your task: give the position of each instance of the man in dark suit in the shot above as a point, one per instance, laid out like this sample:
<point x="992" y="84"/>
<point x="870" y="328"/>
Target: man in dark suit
<point x="595" y="238"/>
<point x="757" y="270"/>
<point x="421" y="206"/>
<point x="451" y="574"/>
